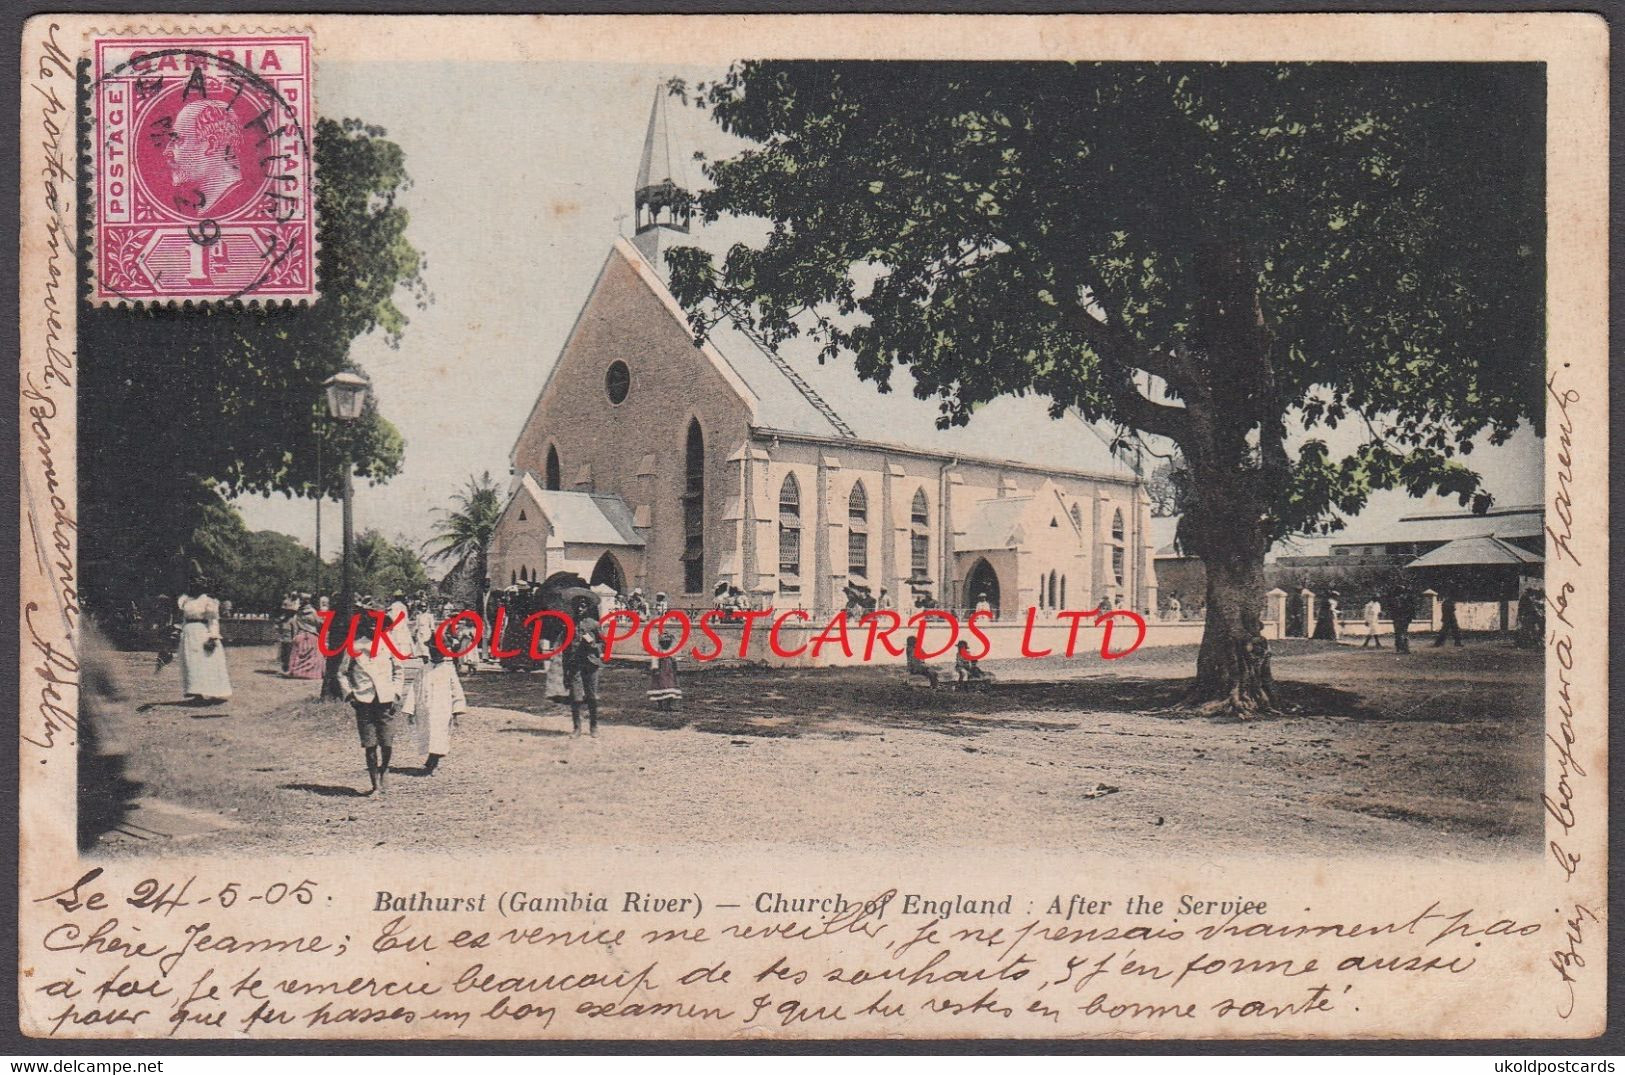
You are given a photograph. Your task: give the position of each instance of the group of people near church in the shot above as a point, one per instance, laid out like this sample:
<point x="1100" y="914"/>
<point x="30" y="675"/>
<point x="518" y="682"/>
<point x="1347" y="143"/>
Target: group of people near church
<point x="565" y="679"/>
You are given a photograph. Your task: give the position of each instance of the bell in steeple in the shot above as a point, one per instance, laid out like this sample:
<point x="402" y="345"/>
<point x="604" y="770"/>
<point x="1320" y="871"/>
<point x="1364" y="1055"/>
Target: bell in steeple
<point x="662" y="199"/>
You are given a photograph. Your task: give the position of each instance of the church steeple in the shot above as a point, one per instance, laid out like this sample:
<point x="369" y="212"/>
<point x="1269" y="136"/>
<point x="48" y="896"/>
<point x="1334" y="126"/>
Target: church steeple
<point x="661" y="200"/>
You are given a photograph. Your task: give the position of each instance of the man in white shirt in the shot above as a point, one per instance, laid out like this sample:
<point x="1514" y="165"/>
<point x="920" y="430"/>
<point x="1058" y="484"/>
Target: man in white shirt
<point x="371" y="683"/>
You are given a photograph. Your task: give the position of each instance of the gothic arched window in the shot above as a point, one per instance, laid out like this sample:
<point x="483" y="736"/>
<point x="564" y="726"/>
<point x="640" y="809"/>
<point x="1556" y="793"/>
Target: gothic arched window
<point x="694" y="510"/>
<point x="1118" y="556"/>
<point x="790" y="535"/>
<point x="919" y="540"/>
<point x="857" y="532"/>
<point x="552" y="481"/>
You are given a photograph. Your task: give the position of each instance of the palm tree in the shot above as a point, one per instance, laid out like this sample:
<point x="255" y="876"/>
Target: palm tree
<point x="464" y="533"/>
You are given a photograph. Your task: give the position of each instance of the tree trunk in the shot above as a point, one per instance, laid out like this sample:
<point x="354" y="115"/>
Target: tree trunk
<point x="1237" y="464"/>
<point x="1233" y="666"/>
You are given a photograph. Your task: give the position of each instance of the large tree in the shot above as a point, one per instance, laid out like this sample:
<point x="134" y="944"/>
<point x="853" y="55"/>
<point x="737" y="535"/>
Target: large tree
<point x="181" y="407"/>
<point x="1227" y="257"/>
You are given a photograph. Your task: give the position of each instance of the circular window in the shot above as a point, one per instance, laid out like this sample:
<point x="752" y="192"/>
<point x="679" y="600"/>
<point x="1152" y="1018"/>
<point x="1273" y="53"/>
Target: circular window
<point x="617" y="381"/>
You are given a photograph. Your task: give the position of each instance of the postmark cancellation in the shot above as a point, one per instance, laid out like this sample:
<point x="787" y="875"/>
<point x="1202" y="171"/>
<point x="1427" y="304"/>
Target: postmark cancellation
<point x="201" y="168"/>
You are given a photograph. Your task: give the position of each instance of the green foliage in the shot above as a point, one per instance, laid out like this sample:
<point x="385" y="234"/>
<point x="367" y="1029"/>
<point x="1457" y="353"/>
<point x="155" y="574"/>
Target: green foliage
<point x="1167" y="487"/>
<point x="466" y="529"/>
<point x="255" y="569"/>
<point x="279" y="565"/>
<point x="1274" y="243"/>
<point x="380" y="566"/>
<point x="181" y="405"/>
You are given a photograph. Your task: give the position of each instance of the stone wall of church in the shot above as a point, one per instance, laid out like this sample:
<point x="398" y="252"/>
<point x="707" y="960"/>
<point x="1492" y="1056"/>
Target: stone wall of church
<point x="826" y="474"/>
<point x="636" y="448"/>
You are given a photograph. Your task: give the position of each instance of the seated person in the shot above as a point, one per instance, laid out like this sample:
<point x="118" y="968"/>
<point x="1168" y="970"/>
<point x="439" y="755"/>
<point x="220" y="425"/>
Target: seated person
<point x="917" y="667"/>
<point x="966" y="669"/>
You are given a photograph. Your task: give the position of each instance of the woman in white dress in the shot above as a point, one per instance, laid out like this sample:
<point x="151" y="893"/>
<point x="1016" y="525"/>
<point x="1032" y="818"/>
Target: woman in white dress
<point x="202" y="654"/>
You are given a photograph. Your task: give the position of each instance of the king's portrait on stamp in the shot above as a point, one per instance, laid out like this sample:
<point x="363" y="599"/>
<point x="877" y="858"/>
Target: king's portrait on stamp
<point x="202" y="168"/>
<point x="874" y="527"/>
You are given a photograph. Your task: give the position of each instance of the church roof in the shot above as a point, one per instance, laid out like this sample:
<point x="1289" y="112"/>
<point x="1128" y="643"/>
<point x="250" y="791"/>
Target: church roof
<point x="581" y="518"/>
<point x="993" y="524"/>
<point x="796" y="394"/>
<point x="996" y="523"/>
<point x="662" y="161"/>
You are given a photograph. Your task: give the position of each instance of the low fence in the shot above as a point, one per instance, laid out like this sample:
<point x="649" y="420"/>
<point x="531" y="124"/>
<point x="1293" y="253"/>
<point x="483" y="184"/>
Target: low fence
<point x="1470" y="616"/>
<point x="248" y="630"/>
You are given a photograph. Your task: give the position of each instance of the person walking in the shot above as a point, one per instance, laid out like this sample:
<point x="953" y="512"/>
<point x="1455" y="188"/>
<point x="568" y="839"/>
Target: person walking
<point x="285" y="631"/>
<point x="305" y="659"/>
<point x="371" y="683"/>
<point x="583" y="661"/>
<point x="423" y="627"/>
<point x="398" y="622"/>
<point x="1448" y="625"/>
<point x="1400" y="604"/>
<point x="1326" y="617"/>
<point x="1373" y="617"/>
<point x="438" y="698"/>
<point x="204" y="676"/>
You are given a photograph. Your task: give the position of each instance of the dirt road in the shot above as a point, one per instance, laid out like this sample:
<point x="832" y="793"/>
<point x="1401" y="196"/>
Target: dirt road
<point x="1434" y="754"/>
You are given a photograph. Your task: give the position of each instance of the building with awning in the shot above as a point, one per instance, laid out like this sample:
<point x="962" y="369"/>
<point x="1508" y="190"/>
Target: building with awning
<point x="1482" y="551"/>
<point x="1485" y="574"/>
<point x="1486" y="560"/>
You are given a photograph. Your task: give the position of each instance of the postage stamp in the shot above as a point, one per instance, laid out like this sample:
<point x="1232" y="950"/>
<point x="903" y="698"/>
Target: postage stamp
<point x="202" y="168"/>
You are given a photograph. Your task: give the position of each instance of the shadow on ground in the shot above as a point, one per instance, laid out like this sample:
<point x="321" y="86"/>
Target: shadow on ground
<point x="853" y="702"/>
<point x="327" y="791"/>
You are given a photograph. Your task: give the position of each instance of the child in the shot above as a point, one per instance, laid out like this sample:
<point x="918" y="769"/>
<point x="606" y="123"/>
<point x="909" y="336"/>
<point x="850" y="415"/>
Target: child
<point x="439" y="697"/>
<point x="917" y="667"/>
<point x="966" y="671"/>
<point x="371" y="683"/>
<point x="462" y="639"/>
<point x="663" y="688"/>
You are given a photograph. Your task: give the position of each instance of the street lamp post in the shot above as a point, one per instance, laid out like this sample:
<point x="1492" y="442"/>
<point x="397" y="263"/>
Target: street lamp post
<point x="346" y="401"/>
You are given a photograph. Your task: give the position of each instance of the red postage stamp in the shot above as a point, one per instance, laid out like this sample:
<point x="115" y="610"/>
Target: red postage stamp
<point x="203" y="174"/>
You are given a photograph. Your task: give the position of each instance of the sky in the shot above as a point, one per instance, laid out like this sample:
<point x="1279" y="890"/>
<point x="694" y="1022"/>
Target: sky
<point x="522" y="179"/>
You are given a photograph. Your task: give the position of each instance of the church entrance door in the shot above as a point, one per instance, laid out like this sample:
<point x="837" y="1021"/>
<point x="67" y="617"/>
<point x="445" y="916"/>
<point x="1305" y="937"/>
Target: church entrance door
<point x="608" y="572"/>
<point x="982" y="584"/>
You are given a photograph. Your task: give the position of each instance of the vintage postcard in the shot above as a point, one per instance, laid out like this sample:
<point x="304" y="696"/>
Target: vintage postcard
<point x="813" y="527"/>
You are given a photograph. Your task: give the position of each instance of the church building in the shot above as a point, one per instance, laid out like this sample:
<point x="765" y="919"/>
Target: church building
<point x="648" y="461"/>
